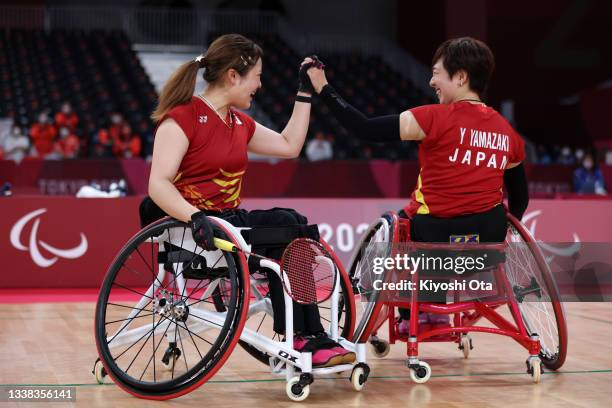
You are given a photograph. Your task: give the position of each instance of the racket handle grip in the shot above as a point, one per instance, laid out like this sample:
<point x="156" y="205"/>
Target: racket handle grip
<point x="225" y="245"/>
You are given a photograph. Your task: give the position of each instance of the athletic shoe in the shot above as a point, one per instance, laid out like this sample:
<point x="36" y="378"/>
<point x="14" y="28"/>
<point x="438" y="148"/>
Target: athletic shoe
<point x="403" y="325"/>
<point x="325" y="351"/>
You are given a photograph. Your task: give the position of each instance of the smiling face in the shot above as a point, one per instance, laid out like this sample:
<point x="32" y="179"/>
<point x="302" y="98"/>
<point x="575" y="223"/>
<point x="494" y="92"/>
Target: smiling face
<point x="243" y="88"/>
<point x="446" y="88"/>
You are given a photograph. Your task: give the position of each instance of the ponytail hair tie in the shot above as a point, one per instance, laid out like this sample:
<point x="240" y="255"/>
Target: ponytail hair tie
<point x="201" y="60"/>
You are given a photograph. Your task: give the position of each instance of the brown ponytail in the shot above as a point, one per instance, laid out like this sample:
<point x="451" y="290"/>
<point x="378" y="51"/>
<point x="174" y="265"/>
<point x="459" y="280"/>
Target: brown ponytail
<point x="178" y="90"/>
<point x="230" y="51"/>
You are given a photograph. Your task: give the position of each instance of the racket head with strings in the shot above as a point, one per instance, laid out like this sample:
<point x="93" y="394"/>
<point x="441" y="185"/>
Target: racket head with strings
<point x="308" y="271"/>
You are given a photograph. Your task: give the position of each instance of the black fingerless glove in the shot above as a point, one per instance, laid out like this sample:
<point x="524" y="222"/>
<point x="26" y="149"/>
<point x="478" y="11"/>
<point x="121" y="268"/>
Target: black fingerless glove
<point x="304" y="84"/>
<point x="202" y="231"/>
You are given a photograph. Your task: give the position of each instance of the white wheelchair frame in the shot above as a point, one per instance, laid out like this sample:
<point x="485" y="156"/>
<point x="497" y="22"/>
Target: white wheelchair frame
<point x="284" y="360"/>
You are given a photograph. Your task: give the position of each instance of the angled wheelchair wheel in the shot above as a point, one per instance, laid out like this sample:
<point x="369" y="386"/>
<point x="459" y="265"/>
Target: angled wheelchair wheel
<point x="536" y="293"/>
<point x="260" y="316"/>
<point x="376" y="242"/>
<point x="157" y="330"/>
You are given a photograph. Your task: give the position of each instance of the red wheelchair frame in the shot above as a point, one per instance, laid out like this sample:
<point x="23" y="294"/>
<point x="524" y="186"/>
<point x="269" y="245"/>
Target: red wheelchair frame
<point x="466" y="314"/>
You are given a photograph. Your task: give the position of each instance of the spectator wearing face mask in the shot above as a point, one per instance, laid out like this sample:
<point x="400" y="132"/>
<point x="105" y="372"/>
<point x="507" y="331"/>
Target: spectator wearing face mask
<point x="15" y="145"/>
<point x="68" y="145"/>
<point x="43" y="136"/>
<point x="588" y="178"/>
<point x="127" y="144"/>
<point x="67" y="117"/>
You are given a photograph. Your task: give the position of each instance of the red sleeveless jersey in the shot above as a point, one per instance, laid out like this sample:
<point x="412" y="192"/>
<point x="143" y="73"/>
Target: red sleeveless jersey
<point x="464" y="154"/>
<point x="210" y="175"/>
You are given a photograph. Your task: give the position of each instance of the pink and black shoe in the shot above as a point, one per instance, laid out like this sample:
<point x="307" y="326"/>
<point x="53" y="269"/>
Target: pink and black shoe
<point x="325" y="351"/>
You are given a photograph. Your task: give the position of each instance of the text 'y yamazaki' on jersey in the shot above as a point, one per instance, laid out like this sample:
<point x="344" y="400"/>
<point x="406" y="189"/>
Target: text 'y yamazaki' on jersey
<point x="210" y="175"/>
<point x="464" y="154"/>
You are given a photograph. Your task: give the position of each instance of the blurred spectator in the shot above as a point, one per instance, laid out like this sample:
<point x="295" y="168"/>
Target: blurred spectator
<point x="146" y="136"/>
<point x="66" y="117"/>
<point x="543" y="155"/>
<point x="68" y="145"/>
<point x="101" y="144"/>
<point x="588" y="178"/>
<point x="579" y="153"/>
<point x="116" y="126"/>
<point x="318" y="148"/>
<point x="43" y="136"/>
<point x="127" y="144"/>
<point x="566" y="156"/>
<point x="16" y="145"/>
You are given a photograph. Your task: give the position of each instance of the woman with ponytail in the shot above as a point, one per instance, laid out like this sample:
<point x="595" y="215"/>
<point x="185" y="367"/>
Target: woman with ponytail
<point x="200" y="158"/>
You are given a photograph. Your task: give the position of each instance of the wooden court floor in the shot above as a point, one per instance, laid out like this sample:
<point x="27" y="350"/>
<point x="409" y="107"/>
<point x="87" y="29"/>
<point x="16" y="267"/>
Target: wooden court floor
<point x="52" y="344"/>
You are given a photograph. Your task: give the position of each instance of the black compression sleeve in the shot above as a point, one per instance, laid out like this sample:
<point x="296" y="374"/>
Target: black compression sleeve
<point x="378" y="129"/>
<point x="518" y="192"/>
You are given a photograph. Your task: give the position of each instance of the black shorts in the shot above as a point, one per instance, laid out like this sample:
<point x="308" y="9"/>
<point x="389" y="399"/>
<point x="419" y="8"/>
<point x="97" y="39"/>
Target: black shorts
<point x="490" y="226"/>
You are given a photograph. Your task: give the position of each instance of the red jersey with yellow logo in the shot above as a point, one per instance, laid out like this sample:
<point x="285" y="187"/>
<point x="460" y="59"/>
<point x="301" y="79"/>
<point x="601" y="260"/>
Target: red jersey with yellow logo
<point x="210" y="175"/>
<point x="464" y="154"/>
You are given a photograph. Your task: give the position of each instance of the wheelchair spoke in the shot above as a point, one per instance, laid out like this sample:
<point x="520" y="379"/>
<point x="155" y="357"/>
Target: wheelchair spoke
<point x="125" y="326"/>
<point x="205" y="320"/>
<point x="132" y="290"/>
<point x="183" y="348"/>
<point x="261" y="322"/>
<point x="130" y="318"/>
<point x="153" y="355"/>
<point x="129" y="307"/>
<point x="149" y="266"/>
<point x="192" y="332"/>
<point x="148" y="334"/>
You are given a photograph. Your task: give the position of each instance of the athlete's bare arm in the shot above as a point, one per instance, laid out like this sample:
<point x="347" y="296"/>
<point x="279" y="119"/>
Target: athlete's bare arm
<point x="409" y="127"/>
<point x="169" y="147"/>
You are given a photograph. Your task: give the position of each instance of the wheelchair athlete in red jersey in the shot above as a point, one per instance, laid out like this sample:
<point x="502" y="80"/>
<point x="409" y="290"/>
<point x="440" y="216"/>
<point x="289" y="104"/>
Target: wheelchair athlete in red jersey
<point x="200" y="158"/>
<point x="467" y="152"/>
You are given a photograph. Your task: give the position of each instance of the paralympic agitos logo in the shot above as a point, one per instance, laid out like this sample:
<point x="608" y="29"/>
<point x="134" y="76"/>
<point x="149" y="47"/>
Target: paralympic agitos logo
<point x="33" y="242"/>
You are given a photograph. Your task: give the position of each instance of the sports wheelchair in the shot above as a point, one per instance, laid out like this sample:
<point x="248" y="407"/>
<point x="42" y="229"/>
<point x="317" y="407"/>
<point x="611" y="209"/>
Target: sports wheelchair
<point x="169" y="315"/>
<point x="524" y="284"/>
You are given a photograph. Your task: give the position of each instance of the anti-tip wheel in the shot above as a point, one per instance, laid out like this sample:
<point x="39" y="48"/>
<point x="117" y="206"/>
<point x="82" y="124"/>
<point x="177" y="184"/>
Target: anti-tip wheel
<point x="380" y="348"/>
<point x="358" y="378"/>
<point x="295" y="391"/>
<point x="420" y="374"/>
<point x="466" y="345"/>
<point x="100" y="372"/>
<point x="534" y="367"/>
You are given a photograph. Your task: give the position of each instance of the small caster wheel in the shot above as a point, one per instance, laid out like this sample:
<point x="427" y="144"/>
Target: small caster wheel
<point x="534" y="367"/>
<point x="358" y="378"/>
<point x="420" y="374"/>
<point x="171" y="355"/>
<point x="466" y="345"/>
<point x="99" y="372"/>
<point x="296" y="391"/>
<point x="380" y="348"/>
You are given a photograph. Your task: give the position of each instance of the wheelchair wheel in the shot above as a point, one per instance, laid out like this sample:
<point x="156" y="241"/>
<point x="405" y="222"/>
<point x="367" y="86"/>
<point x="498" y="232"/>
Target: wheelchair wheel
<point x="155" y="305"/>
<point x="260" y="315"/>
<point x="536" y="293"/>
<point x="376" y="242"/>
